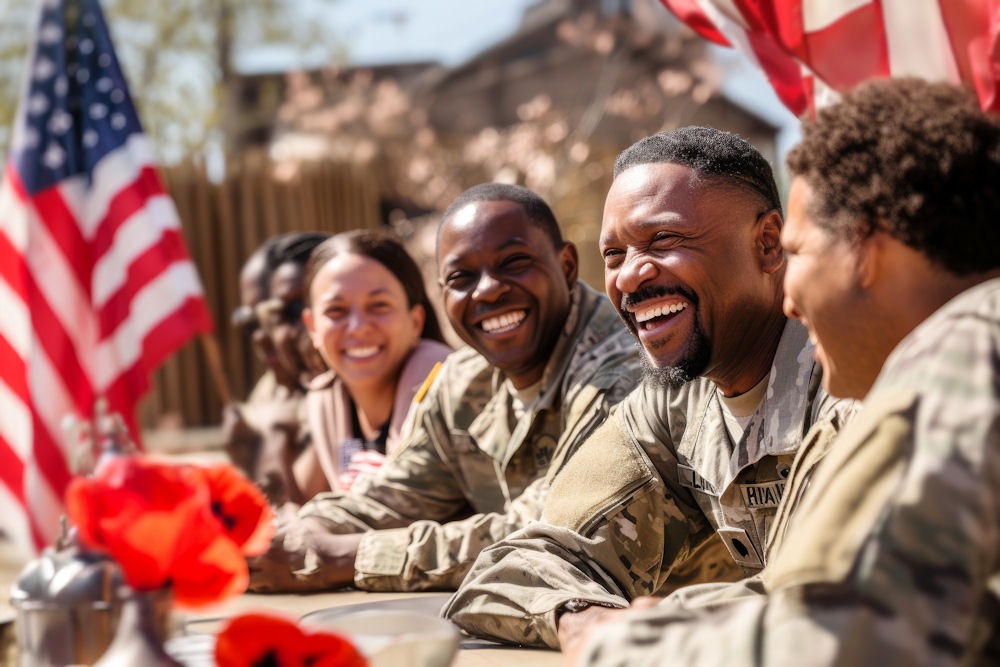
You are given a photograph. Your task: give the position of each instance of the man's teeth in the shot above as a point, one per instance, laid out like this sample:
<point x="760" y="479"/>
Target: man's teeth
<point x="360" y="352"/>
<point x="657" y="311"/>
<point x="504" y="322"/>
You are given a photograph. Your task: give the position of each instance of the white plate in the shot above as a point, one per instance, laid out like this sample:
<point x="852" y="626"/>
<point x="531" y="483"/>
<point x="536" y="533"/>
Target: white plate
<point x="394" y="633"/>
<point x="192" y="650"/>
<point x="428" y="604"/>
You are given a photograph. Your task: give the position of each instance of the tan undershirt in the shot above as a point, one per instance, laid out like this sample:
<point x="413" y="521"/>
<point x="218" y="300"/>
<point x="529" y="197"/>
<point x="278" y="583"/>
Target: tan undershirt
<point x="522" y="399"/>
<point x="739" y="410"/>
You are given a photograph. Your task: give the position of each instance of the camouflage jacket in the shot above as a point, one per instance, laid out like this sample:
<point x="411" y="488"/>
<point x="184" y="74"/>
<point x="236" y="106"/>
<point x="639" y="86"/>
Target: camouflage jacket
<point x="893" y="555"/>
<point x="471" y="472"/>
<point x="641" y="507"/>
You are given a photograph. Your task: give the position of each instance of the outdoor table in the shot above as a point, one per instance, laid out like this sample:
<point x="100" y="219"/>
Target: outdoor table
<point x="472" y="652"/>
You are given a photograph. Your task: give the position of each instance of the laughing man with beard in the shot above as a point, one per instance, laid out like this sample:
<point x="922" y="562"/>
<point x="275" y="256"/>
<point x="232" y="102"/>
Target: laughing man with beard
<point x="546" y="359"/>
<point x="682" y="482"/>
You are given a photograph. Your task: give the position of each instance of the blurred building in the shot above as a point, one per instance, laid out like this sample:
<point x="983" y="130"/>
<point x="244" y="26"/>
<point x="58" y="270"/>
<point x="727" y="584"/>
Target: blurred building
<point x="549" y="107"/>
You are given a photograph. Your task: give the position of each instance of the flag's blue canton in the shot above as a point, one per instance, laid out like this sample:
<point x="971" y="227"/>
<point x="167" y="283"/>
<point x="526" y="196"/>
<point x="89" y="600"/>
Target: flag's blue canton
<point x="77" y="108"/>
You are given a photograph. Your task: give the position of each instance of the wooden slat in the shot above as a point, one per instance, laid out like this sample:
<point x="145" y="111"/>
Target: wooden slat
<point x="223" y="223"/>
<point x="235" y="245"/>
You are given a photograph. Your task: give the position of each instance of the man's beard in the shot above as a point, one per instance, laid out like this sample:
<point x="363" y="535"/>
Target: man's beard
<point x="696" y="356"/>
<point x="691" y="365"/>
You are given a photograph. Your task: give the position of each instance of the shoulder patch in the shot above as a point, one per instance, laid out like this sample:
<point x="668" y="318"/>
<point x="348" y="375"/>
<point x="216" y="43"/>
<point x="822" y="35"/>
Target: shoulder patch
<point x="598" y="475"/>
<point x="419" y="396"/>
<point x="848" y="493"/>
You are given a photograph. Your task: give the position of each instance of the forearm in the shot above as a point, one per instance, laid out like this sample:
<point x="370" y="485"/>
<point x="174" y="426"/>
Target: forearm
<point x="811" y="625"/>
<point x="340" y="514"/>
<point x="517" y="587"/>
<point x="676" y="635"/>
<point x="410" y="487"/>
<point x="439" y="555"/>
<point x="309" y="475"/>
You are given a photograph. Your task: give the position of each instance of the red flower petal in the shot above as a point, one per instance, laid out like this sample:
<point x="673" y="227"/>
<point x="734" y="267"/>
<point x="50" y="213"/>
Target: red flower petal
<point x="252" y="639"/>
<point x="212" y="572"/>
<point x="249" y="638"/>
<point x="157" y="520"/>
<point x="119" y="521"/>
<point x="241" y="508"/>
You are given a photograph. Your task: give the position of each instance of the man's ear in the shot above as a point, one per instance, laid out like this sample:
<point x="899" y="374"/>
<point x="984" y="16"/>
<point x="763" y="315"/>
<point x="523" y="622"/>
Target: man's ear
<point x="767" y="237"/>
<point x="871" y="253"/>
<point x="570" y="262"/>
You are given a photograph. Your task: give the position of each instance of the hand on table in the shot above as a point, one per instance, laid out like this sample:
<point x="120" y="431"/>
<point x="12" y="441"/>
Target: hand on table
<point x="304" y="557"/>
<point x="576" y="628"/>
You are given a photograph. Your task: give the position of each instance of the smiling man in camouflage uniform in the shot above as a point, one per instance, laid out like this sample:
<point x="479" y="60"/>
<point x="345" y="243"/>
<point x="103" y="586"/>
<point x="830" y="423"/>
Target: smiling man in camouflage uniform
<point x="682" y="482"/>
<point x="892" y="556"/>
<point x="547" y="358"/>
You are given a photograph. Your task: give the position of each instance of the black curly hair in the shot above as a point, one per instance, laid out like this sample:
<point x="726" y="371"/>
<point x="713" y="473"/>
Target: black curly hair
<point x="534" y="206"/>
<point x="915" y="159"/>
<point x="712" y="154"/>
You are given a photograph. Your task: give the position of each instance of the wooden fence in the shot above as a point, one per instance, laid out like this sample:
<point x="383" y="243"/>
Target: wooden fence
<point x="223" y="223"/>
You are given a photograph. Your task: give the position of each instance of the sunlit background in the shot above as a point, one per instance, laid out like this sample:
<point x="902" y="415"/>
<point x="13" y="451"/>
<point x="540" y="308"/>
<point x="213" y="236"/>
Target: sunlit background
<point x="271" y="116"/>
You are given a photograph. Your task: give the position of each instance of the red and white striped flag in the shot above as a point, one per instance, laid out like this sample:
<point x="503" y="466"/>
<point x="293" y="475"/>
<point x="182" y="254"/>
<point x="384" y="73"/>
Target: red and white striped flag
<point x="96" y="285"/>
<point x="811" y="49"/>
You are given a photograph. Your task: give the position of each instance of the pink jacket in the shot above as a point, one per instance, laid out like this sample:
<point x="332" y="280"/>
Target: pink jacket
<point x="328" y="408"/>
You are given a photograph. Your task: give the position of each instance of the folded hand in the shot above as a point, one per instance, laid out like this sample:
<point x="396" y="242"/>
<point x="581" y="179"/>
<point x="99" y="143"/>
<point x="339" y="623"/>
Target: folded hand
<point x="304" y="556"/>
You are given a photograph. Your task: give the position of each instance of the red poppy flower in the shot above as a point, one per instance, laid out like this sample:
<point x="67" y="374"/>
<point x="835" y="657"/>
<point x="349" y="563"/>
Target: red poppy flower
<point x="157" y="520"/>
<point x="257" y="640"/>
<point x="236" y="502"/>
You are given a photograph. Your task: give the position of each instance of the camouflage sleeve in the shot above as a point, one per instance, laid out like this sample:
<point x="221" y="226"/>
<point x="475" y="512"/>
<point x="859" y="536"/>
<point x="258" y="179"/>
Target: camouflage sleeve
<point x="646" y="637"/>
<point x="889" y="560"/>
<point x="517" y="586"/>
<point x="612" y="530"/>
<point x="428" y="555"/>
<point x="431" y="555"/>
<point x="418" y="482"/>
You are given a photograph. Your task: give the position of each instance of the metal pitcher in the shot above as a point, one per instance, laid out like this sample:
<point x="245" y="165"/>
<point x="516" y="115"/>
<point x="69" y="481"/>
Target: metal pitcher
<point x="68" y="602"/>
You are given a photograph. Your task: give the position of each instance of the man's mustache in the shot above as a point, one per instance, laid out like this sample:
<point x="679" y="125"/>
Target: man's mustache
<point x="632" y="299"/>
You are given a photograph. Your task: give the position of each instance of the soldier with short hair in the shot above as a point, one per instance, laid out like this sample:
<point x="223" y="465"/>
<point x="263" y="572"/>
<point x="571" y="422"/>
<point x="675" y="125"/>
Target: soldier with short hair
<point x="682" y="482"/>
<point x="546" y="359"/>
<point x="892" y="554"/>
<point x="273" y="417"/>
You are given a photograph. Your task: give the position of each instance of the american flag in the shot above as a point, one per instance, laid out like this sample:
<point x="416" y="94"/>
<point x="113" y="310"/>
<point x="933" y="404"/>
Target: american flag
<point x="812" y="49"/>
<point x="96" y="285"/>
